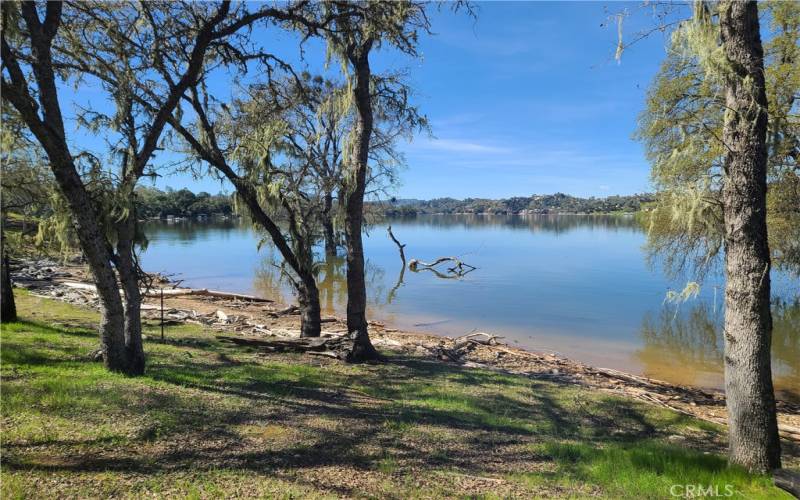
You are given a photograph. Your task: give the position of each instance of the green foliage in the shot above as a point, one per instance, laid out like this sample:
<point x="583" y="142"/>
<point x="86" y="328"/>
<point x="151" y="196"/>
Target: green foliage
<point x="681" y="129"/>
<point x="152" y="203"/>
<point x="29" y="191"/>
<point x="690" y="291"/>
<point x="536" y="204"/>
<point x="357" y="29"/>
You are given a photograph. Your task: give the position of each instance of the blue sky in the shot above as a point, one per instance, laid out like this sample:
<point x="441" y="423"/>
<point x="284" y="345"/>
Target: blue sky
<point x="529" y="99"/>
<point x="526" y="98"/>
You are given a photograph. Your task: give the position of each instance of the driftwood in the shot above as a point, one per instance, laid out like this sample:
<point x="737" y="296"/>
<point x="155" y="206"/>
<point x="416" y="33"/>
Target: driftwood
<point x="788" y="480"/>
<point x="443" y="353"/>
<point x="475" y="338"/>
<point x="80" y="286"/>
<point x="458" y="269"/>
<point x="208" y="293"/>
<point x="174" y="292"/>
<point x="461" y="346"/>
<point x="340" y="347"/>
<point x="287" y="310"/>
<point x="400" y="246"/>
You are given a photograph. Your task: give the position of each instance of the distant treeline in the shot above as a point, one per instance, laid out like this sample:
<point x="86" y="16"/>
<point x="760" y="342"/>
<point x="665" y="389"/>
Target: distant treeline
<point x="535" y="204"/>
<point x="153" y="203"/>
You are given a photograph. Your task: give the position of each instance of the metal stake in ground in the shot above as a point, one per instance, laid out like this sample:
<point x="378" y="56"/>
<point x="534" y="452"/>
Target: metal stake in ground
<point x="162" y="315"/>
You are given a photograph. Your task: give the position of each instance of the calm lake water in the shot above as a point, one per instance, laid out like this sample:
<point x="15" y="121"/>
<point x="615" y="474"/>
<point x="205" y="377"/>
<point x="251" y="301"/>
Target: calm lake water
<point x="577" y="285"/>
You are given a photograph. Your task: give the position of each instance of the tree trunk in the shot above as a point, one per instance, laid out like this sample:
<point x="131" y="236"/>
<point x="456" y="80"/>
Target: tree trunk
<point x="307" y="291"/>
<point x="327" y="225"/>
<point x="354" y="213"/>
<point x="310" y="311"/>
<point x="754" y="441"/>
<point x="98" y="256"/>
<point x="129" y="279"/>
<point x="8" y="306"/>
<point x="49" y="130"/>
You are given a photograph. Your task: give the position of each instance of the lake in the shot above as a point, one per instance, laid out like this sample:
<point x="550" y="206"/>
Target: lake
<point x="578" y="285"/>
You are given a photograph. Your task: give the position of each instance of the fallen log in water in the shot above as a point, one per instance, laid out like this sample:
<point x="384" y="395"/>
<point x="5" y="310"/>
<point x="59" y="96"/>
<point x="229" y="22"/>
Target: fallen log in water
<point x="458" y="270"/>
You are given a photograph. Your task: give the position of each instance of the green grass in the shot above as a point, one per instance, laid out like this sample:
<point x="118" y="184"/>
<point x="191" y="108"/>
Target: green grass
<point x="211" y="420"/>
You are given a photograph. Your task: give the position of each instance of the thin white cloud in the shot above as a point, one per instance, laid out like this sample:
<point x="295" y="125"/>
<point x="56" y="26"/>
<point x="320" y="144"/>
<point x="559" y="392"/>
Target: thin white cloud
<point x="458" y="146"/>
<point x="456" y="120"/>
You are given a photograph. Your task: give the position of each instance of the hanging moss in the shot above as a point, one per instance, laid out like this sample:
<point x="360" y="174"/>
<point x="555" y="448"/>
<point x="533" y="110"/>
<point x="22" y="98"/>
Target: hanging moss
<point x="681" y="129"/>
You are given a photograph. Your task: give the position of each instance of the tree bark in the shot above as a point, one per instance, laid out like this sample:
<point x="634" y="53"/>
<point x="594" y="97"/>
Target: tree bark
<point x="8" y="306"/>
<point x="754" y="441"/>
<point x="49" y="131"/>
<point x="129" y="279"/>
<point x="327" y="225"/>
<point x="357" y="326"/>
<point x="99" y="258"/>
<point x="310" y="311"/>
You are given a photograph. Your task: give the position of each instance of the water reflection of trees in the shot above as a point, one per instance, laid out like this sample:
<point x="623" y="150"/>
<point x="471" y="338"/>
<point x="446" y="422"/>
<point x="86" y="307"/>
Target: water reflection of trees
<point x="786" y="339"/>
<point x="268" y="280"/>
<point x="678" y="347"/>
<point x="552" y="223"/>
<point x="193" y="229"/>
<point x="685" y="346"/>
<point x="331" y="281"/>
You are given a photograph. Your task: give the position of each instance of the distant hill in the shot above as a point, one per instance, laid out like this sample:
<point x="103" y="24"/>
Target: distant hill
<point x="558" y="203"/>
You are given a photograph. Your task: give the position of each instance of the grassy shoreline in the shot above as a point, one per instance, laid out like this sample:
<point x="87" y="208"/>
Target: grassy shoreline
<point x="210" y="420"/>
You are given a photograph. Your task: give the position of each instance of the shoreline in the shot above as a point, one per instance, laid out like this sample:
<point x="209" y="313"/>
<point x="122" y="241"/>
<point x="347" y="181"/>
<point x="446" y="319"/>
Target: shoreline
<point x="273" y="320"/>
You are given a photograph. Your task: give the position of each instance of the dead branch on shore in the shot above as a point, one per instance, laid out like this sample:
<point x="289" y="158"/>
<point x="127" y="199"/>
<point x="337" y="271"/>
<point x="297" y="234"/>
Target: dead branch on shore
<point x="476" y="338"/>
<point x="461" y="346"/>
<point x="788" y="480"/>
<point x="458" y="270"/>
<point x="175" y="292"/>
<point x="339" y="347"/>
<point x="289" y="310"/>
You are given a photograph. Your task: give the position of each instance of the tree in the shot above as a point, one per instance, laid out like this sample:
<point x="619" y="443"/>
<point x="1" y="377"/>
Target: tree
<point x="98" y="40"/>
<point x="281" y="147"/>
<point x="38" y="35"/>
<point x="753" y="436"/>
<point x="26" y="189"/>
<point x="317" y="122"/>
<point x="351" y="39"/>
<point x="682" y="130"/>
<point x="277" y="162"/>
<point x="706" y="136"/>
<point x="315" y="133"/>
<point x="9" y="307"/>
<point x="244" y="143"/>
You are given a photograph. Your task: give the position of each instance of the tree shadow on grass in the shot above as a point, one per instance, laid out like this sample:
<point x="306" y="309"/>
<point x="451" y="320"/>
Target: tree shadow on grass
<point x="26" y="343"/>
<point x="420" y="414"/>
